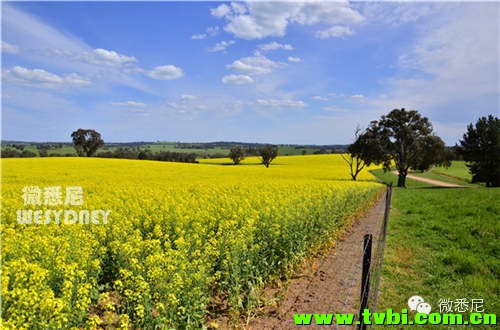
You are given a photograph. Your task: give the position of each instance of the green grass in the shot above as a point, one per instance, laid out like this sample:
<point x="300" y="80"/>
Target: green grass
<point x="432" y="174"/>
<point x="173" y="147"/>
<point x="62" y="151"/>
<point x="457" y="170"/>
<point x="442" y="243"/>
<point x="457" y="173"/>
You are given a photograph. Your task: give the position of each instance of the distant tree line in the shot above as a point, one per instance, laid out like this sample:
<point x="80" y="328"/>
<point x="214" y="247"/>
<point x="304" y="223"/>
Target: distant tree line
<point x="19" y="150"/>
<point x="203" y="149"/>
<point x="146" y="154"/>
<point x="9" y="152"/>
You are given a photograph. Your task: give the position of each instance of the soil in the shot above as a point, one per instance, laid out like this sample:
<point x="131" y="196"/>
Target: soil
<point x="327" y="284"/>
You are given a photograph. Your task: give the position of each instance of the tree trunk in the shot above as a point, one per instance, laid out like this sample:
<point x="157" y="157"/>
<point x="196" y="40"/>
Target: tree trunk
<point x="402" y="180"/>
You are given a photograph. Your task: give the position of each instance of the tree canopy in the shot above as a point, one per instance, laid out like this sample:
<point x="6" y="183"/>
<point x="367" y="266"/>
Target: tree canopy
<point x="403" y="137"/>
<point x="480" y="148"/>
<point x="237" y="154"/>
<point x="268" y="154"/>
<point x="86" y="141"/>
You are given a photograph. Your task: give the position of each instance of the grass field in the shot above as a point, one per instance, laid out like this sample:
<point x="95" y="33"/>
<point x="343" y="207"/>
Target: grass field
<point x="170" y="146"/>
<point x="442" y="243"/>
<point x="457" y="173"/>
<point x="182" y="240"/>
<point x="457" y="170"/>
<point x="432" y="174"/>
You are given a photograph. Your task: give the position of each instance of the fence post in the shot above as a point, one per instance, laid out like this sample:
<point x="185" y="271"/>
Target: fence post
<point x="388" y="196"/>
<point x="381" y="244"/>
<point x="365" y="278"/>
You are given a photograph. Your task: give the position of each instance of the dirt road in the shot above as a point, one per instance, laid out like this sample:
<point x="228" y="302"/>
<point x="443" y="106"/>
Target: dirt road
<point x="431" y="181"/>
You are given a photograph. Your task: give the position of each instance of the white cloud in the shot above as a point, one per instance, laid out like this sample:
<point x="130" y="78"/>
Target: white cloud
<point x="138" y="111"/>
<point x="43" y="79"/>
<point x="188" y="97"/>
<point x="165" y="72"/>
<point x="133" y="104"/>
<point x="294" y="59"/>
<point x="31" y="33"/>
<point x="60" y="51"/>
<point x="96" y="57"/>
<point x="442" y="55"/>
<point x="199" y="36"/>
<point x="238" y="8"/>
<point x="357" y="96"/>
<point x="220" y="11"/>
<point x="453" y="71"/>
<point x="254" y="65"/>
<point x="210" y="31"/>
<point x="275" y="45"/>
<point x="237" y="79"/>
<point x="399" y="13"/>
<point x="108" y="57"/>
<point x="258" y="19"/>
<point x="319" y="98"/>
<point x="177" y="106"/>
<point x="9" y="48"/>
<point x="336" y="109"/>
<point x="335" y="31"/>
<point x="281" y="103"/>
<point x="221" y="46"/>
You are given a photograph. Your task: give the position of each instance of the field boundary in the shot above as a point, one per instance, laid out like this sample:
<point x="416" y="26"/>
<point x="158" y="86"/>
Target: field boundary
<point x="326" y="284"/>
<point x="372" y="261"/>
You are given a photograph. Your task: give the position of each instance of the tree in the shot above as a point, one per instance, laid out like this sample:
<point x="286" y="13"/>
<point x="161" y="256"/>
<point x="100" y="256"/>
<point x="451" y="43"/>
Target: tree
<point x="43" y="150"/>
<point x="361" y="153"/>
<point x="86" y="141"/>
<point x="236" y="154"/>
<point x="405" y="138"/>
<point x="480" y="148"/>
<point x="439" y="155"/>
<point x="268" y="154"/>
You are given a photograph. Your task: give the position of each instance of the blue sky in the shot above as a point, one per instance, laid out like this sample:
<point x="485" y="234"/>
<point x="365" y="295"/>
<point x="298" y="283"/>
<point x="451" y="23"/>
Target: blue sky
<point x="288" y="72"/>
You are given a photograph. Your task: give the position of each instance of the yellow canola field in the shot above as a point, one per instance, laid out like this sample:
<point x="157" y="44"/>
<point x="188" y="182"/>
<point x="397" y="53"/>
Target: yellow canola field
<point x="179" y="240"/>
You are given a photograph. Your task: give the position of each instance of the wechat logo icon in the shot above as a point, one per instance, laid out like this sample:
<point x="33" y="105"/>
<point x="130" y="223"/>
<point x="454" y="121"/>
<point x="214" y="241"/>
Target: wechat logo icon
<point x="417" y="303"/>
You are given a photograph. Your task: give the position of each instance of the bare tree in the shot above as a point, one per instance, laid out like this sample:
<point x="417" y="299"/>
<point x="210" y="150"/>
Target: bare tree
<point x="353" y="158"/>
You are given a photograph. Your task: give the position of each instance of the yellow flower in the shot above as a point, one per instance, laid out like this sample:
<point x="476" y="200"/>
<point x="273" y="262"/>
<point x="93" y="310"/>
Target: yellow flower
<point x="176" y="234"/>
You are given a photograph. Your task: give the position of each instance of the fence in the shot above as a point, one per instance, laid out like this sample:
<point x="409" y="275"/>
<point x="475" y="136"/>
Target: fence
<point x="373" y="256"/>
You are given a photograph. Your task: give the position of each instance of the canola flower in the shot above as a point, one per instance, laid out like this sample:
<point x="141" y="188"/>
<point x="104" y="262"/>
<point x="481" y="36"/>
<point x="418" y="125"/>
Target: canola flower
<point x="177" y="235"/>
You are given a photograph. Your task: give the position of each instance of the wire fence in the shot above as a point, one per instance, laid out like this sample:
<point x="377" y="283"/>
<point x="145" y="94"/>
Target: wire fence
<point x="358" y="282"/>
<point x="373" y="256"/>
